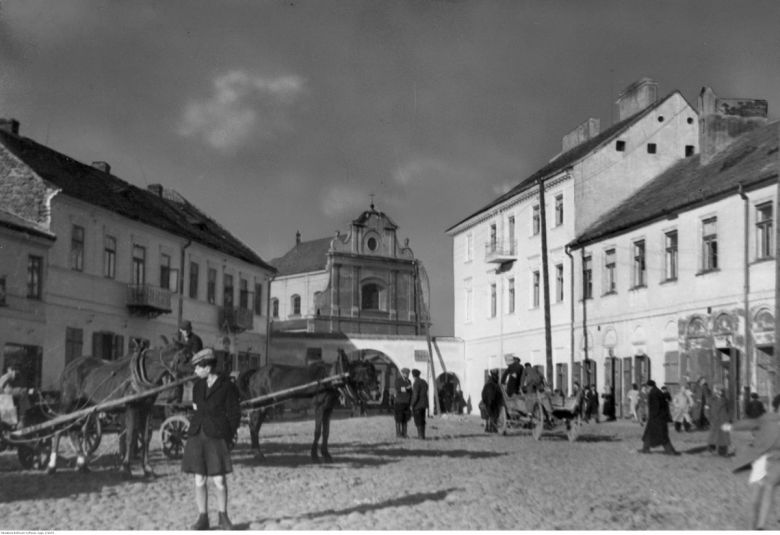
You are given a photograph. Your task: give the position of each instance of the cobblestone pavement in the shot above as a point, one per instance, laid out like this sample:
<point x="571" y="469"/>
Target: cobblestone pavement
<point x="461" y="478"/>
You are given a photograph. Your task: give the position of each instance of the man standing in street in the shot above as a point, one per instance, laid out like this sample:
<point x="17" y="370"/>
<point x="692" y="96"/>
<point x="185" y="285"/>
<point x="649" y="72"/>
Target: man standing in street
<point x="657" y="429"/>
<point x="403" y="399"/>
<point x="512" y="377"/>
<point x="419" y="402"/>
<point x="191" y="341"/>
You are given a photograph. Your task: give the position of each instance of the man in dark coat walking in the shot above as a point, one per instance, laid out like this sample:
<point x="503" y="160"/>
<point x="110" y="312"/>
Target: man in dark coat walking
<point x="419" y="402"/>
<point x="657" y="428"/>
<point x="513" y="376"/>
<point x="403" y="399"/>
<point x="191" y="341"/>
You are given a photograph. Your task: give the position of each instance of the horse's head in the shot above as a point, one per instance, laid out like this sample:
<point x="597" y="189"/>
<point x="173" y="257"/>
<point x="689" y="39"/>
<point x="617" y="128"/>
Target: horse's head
<point x="362" y="376"/>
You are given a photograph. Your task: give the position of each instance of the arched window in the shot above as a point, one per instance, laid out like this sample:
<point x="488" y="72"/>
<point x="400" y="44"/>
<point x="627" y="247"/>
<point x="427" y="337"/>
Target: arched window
<point x="372" y="296"/>
<point x="316" y="303"/>
<point x="274" y="308"/>
<point x="295" y="303"/>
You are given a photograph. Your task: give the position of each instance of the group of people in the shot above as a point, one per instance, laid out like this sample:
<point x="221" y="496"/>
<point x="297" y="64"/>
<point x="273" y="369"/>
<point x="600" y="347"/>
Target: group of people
<point x="411" y="402"/>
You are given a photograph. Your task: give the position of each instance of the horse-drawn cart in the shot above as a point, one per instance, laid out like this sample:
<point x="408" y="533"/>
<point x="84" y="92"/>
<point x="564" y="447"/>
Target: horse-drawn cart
<point x="173" y="431"/>
<point x="541" y="412"/>
<point x="33" y="441"/>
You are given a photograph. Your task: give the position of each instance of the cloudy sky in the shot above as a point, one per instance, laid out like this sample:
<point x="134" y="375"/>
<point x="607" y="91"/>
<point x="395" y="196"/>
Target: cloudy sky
<point x="278" y="116"/>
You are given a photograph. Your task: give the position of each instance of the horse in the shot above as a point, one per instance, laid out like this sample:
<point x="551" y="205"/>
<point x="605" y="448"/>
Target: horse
<point x="90" y="381"/>
<point x="275" y="377"/>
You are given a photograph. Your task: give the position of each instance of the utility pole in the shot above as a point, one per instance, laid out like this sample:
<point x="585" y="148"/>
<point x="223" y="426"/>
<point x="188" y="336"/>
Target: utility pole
<point x="545" y="286"/>
<point x="775" y="360"/>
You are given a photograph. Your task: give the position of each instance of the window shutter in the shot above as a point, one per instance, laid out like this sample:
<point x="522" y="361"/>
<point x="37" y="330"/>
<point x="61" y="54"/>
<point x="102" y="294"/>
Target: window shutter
<point x="97" y="345"/>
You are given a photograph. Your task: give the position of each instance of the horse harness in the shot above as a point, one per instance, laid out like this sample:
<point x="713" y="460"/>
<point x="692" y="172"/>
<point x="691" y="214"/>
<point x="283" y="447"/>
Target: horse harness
<point x="138" y="377"/>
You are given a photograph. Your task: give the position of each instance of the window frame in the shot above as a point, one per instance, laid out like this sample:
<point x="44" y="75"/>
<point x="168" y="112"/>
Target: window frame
<point x="228" y="292"/>
<point x="295" y="305"/>
<point x="610" y="271"/>
<point x="138" y="265"/>
<point x="587" y="277"/>
<point x="194" y="280"/>
<point x="709" y="245"/>
<point x="536" y="220"/>
<point x="511" y="291"/>
<point x="671" y="255"/>
<point x="559" y="214"/>
<point x="35" y="277"/>
<point x="536" y="280"/>
<point x="639" y="263"/>
<point x="560" y="284"/>
<point x="109" y="257"/>
<point x="493" y="300"/>
<point x="77" y="239"/>
<point x="258" y="299"/>
<point x="764" y="231"/>
<point x="211" y="286"/>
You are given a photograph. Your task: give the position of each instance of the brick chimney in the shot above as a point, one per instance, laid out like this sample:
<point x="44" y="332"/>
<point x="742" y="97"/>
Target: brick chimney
<point x="9" y="125"/>
<point x="722" y="120"/>
<point x="636" y="97"/>
<point x="102" y="166"/>
<point x="157" y="189"/>
<point x="587" y="130"/>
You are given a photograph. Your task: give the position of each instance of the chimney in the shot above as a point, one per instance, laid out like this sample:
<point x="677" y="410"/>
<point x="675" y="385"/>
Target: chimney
<point x="297" y="238"/>
<point x="9" y="125"/>
<point x="636" y="97"/>
<point x="102" y="166"/>
<point x="157" y="189"/>
<point x="587" y="130"/>
<point x="722" y="120"/>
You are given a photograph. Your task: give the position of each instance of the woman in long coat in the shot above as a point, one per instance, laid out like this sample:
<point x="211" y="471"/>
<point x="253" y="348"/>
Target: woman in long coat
<point x="720" y="413"/>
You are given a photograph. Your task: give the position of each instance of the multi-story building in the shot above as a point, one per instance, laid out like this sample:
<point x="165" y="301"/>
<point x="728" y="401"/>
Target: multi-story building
<point x="678" y="281"/>
<point x="497" y="251"/>
<point x="126" y="264"/>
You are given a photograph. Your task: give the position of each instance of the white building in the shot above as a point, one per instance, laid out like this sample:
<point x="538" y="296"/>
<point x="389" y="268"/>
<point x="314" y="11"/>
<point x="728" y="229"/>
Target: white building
<point x="126" y="264"/>
<point x="497" y="251"/>
<point x="670" y="273"/>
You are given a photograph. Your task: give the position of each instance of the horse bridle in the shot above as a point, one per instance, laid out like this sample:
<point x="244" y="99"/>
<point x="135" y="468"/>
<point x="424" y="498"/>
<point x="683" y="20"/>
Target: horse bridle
<point x="138" y="375"/>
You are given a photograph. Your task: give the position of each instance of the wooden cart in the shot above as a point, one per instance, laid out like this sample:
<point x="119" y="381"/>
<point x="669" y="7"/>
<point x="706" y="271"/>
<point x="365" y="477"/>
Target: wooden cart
<point x="528" y="411"/>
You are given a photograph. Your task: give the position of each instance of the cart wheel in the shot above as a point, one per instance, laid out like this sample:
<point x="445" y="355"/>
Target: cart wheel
<point x="173" y="435"/>
<point x="88" y="435"/>
<point x="573" y="428"/>
<point x="538" y="415"/>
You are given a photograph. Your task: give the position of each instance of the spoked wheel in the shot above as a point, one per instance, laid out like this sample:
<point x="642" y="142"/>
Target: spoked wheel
<point x="173" y="435"/>
<point x="538" y="414"/>
<point x="573" y="428"/>
<point x="87" y="436"/>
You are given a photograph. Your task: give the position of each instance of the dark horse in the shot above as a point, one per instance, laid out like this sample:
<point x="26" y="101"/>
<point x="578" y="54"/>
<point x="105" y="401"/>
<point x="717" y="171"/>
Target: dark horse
<point x="276" y="377"/>
<point x="90" y="381"/>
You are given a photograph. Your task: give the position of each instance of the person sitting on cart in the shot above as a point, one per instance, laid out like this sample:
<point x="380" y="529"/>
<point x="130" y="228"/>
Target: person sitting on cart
<point x="513" y="376"/>
<point x="191" y="341"/>
<point x="535" y="384"/>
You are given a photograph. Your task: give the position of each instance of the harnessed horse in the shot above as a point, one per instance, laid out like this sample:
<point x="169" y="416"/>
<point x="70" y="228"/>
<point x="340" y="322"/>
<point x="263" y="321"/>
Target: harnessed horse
<point x="91" y="381"/>
<point x="275" y="377"/>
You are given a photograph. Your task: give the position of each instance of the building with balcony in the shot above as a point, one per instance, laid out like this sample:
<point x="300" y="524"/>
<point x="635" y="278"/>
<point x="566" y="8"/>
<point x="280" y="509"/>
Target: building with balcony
<point x="678" y="281"/>
<point x="122" y="264"/>
<point x="498" y="258"/>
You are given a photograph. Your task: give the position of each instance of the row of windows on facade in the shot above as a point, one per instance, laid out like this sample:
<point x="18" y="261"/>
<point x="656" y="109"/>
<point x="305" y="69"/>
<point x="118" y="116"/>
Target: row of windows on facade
<point x="373" y="297"/>
<point x="652" y="148"/>
<point x="709" y="262"/>
<point x="169" y="276"/>
<point x="536" y="227"/>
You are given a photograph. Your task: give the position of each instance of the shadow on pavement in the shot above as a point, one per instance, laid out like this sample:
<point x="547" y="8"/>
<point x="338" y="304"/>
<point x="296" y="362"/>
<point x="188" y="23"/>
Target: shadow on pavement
<point x="29" y="485"/>
<point x="410" y="499"/>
